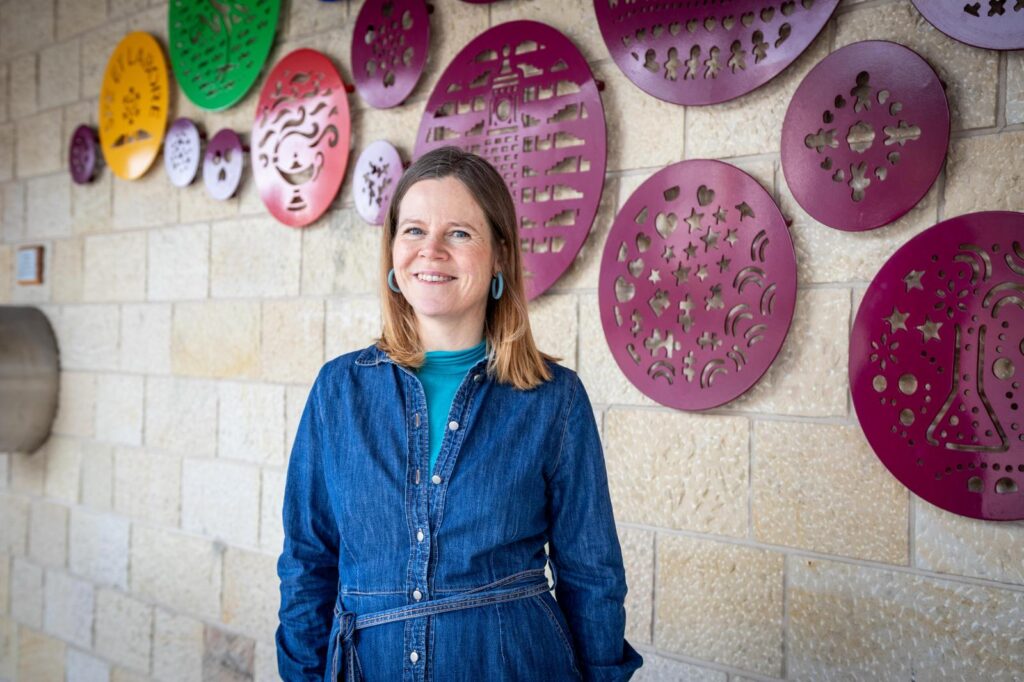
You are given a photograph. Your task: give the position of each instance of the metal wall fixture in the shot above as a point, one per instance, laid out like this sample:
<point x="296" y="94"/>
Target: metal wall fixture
<point x="29" y="378"/>
<point x="992" y="24"/>
<point x="389" y="50"/>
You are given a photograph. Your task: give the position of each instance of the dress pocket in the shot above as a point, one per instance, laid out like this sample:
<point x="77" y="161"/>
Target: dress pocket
<point x="556" y="621"/>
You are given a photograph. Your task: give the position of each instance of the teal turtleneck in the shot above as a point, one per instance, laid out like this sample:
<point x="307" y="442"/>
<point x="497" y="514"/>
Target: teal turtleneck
<point x="441" y="374"/>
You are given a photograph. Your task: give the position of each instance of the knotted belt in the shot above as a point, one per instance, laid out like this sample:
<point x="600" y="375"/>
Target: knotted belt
<point x="517" y="586"/>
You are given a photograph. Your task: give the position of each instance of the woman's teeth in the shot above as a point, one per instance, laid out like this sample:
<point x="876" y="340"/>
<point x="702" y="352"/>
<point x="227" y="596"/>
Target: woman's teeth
<point x="434" y="278"/>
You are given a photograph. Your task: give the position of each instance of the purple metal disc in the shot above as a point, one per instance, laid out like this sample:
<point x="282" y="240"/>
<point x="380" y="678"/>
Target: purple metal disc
<point x="530" y="106"/>
<point x="389" y="50"/>
<point x="865" y="135"/>
<point x="993" y="24"/>
<point x="222" y="164"/>
<point x="182" y="152"/>
<point x="937" y="361"/>
<point x="707" y="52"/>
<point x="378" y="170"/>
<point x="82" y="154"/>
<point x="698" y="284"/>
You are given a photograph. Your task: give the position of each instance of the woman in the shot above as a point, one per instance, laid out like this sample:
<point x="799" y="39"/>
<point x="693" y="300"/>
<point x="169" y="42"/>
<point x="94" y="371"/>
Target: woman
<point x="430" y="469"/>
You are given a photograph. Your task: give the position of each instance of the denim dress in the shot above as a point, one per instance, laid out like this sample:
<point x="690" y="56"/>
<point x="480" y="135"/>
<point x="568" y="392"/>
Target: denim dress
<point x="392" y="573"/>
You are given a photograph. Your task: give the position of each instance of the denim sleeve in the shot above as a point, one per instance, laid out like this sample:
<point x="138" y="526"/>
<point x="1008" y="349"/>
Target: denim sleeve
<point x="308" y="566"/>
<point x="584" y="549"/>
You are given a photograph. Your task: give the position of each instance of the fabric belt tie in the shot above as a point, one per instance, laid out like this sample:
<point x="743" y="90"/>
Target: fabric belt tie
<point x="517" y="586"/>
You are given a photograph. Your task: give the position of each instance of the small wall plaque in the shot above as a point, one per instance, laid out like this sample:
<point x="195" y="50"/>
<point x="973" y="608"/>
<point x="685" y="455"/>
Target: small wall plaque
<point x="82" y="156"/>
<point x="222" y="164"/>
<point x="389" y="50"/>
<point x="378" y="171"/>
<point x="29" y="265"/>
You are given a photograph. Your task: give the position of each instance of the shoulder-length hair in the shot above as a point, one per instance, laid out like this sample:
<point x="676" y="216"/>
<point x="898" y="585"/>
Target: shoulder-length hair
<point x="513" y="357"/>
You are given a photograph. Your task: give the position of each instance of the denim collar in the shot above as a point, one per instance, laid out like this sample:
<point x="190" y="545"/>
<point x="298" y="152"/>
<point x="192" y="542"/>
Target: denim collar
<point x="372" y="356"/>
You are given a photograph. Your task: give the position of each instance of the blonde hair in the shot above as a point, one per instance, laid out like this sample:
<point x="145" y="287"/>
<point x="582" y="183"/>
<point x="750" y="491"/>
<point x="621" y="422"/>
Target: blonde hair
<point x="513" y="357"/>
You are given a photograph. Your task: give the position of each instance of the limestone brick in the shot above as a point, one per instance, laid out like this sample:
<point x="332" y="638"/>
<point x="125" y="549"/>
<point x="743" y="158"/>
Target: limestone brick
<point x="146" y="338"/>
<point x="8" y="647"/>
<point x="197" y="205"/>
<point x="179" y="263"/>
<point x="247" y="605"/>
<point x="1014" y="87"/>
<point x="23" y="84"/>
<point x="147" y="486"/>
<point x="39" y="144"/>
<point x="181" y="415"/>
<point x="124" y="8"/>
<point x="293" y="339"/>
<point x="856" y="622"/>
<point x="221" y="500"/>
<point x="119" y="674"/>
<point x="271" y="505"/>
<point x="68" y="608"/>
<point x="398" y="125"/>
<point x="97" y="46"/>
<point x="115" y="267"/>
<point x="598" y="370"/>
<point x="97" y="475"/>
<point x="119" y="401"/>
<point x="27" y="593"/>
<point x="720" y="603"/>
<point x="340" y="255"/>
<point x="216" y="339"/>
<point x="91" y="205"/>
<point x="48" y="206"/>
<point x="48" y="534"/>
<point x="948" y="543"/>
<point x="5" y="584"/>
<point x="302" y="22"/>
<point x="295" y="398"/>
<point x="5" y="79"/>
<point x="7" y="151"/>
<point x="984" y="174"/>
<point x="63" y="464"/>
<point x="254" y="257"/>
<point x="40" y="658"/>
<point x="176" y="570"/>
<point x="83" y="667"/>
<point x="87" y="336"/>
<point x="14" y="530"/>
<point x="58" y="74"/>
<point x="99" y="547"/>
<point x="586" y="268"/>
<point x="691" y="472"/>
<point x="352" y="322"/>
<point x="266" y="662"/>
<point x="227" y="656"/>
<point x="638" y="559"/>
<point x="26" y="28"/>
<point x="148" y="201"/>
<point x="124" y="628"/>
<point x="177" y="648"/>
<point x="76" y="16"/>
<point x="6" y="272"/>
<point x="663" y="669"/>
<point x="28" y="472"/>
<point x="66" y="276"/>
<point x="13" y="224"/>
<point x="554" y="322"/>
<point x="251" y="422"/>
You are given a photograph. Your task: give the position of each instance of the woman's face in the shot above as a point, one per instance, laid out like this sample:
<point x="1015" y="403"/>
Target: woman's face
<point x="444" y="258"/>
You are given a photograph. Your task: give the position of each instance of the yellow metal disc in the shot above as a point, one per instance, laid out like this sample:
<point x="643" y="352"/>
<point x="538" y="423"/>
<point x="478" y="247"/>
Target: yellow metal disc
<point x="133" y="105"/>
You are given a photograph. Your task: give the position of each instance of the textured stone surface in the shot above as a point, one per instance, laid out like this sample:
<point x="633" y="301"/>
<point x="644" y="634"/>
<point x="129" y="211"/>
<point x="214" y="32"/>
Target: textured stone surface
<point x="146" y="338"/>
<point x="119" y="408"/>
<point x="97" y="475"/>
<point x="14" y="530"/>
<point x="662" y="669"/>
<point x="251" y="422"/>
<point x="39" y="144"/>
<point x="22" y="81"/>
<point x="7" y="149"/>
<point x="720" y="603"/>
<point x="1015" y="87"/>
<point x="196" y="203"/>
<point x="115" y="267"/>
<point x="48" y="534"/>
<point x="690" y="473"/>
<point x="5" y="584"/>
<point x="27" y="29"/>
<point x="148" y="486"/>
<point x="854" y="622"/>
<point x="99" y="547"/>
<point x="13" y="223"/>
<point x="87" y="336"/>
<point x="8" y="647"/>
<point x="254" y="257"/>
<point x="48" y="206"/>
<point x="808" y="487"/>
<point x="75" y="16"/>
<point x="177" y="648"/>
<point x="123" y="629"/>
<point x="148" y="201"/>
<point x="638" y="558"/>
<point x="340" y="255"/>
<point x="176" y="570"/>
<point x="985" y="174"/>
<point x="27" y="593"/>
<point x="68" y="611"/>
<point x="586" y="268"/>
<point x="91" y="205"/>
<point x="97" y="46"/>
<point x="221" y="500"/>
<point x="81" y="667"/>
<point x="293" y="339"/>
<point x="351" y="323"/>
<point x="227" y="656"/>
<point x="397" y="125"/>
<point x="266" y="662"/>
<point x="271" y="504"/>
<point x="181" y="415"/>
<point x="40" y="658"/>
<point x="179" y="263"/>
<point x="216" y="339"/>
<point x="28" y="473"/>
<point x="67" y="260"/>
<point x="605" y="382"/>
<point x="969" y="74"/>
<point x="58" y="74"/>
<point x="63" y="463"/>
<point x="6" y="271"/>
<point x="248" y="605"/>
<point x="554" y="322"/>
<point x="948" y="543"/>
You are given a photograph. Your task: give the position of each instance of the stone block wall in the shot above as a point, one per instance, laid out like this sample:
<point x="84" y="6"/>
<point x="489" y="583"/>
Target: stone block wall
<point x="763" y="540"/>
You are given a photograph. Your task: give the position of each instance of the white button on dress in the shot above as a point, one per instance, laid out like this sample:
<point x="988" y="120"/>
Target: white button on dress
<point x="435" y="479"/>
<point x="417" y="595"/>
<point x="414" y="657"/>
<point x="419" y="536"/>
<point x="453" y="426"/>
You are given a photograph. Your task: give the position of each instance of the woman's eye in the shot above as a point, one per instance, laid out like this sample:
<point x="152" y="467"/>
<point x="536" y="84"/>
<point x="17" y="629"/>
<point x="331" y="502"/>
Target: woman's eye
<point x="460" y="234"/>
<point x="413" y="231"/>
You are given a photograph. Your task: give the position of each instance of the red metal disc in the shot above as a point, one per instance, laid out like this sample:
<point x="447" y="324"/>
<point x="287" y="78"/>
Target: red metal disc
<point x="937" y="362"/>
<point x="993" y="24"/>
<point x="389" y="50"/>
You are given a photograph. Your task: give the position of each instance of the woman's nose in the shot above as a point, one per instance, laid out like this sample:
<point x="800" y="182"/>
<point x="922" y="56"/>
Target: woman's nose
<point x="433" y="247"/>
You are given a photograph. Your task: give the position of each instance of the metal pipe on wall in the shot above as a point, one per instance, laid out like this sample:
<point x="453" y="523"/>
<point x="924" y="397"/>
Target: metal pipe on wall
<point x="29" y="378"/>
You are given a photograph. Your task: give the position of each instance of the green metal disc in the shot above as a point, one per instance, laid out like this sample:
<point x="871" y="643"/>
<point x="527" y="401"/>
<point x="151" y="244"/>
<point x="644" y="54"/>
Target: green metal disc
<point x="219" y="46"/>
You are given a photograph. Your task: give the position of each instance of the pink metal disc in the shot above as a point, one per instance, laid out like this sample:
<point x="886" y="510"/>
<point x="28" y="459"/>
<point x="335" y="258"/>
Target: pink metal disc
<point x="522" y="96"/>
<point x="389" y="50"/>
<point x="182" y="152"/>
<point x="993" y="24"/>
<point x="300" y="137"/>
<point x="222" y="164"/>
<point x="707" y="52"/>
<point x="377" y="172"/>
<point x="865" y="135"/>
<point x="698" y="284"/>
<point x="937" y="361"/>
<point x="83" y="154"/>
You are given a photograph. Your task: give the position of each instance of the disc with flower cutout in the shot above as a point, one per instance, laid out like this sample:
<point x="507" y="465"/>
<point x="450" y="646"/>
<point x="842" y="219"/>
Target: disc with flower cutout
<point x="182" y="152"/>
<point x="389" y="50"/>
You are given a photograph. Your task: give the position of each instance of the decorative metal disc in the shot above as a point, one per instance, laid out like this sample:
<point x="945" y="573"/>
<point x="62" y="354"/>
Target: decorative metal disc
<point x="133" y="105"/>
<point x="222" y="164"/>
<point x="522" y="96"/>
<point x="993" y="24"/>
<point x="218" y="48"/>
<point x="937" y="362"/>
<point x="300" y="137"/>
<point x="865" y="135"/>
<point x="389" y="50"/>
<point x="378" y="170"/>
<point x="182" y="151"/>
<point x="707" y="52"/>
<point x="82" y="155"/>
<point x="698" y="284"/>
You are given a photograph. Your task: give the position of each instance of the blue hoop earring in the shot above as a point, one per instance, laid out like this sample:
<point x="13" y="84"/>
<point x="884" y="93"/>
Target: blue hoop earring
<point x="391" y="282"/>
<point x="497" y="291"/>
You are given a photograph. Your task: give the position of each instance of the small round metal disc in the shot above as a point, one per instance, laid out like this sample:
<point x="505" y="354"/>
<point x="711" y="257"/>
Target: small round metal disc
<point x="937" y="365"/>
<point x="865" y="135"/>
<point x="222" y="164"/>
<point x="992" y="24"/>
<point x="182" y="152"/>
<point x="300" y="137"/>
<point x="698" y="284"/>
<point x="522" y="96"/>
<point x="707" y="52"/>
<point x="82" y="154"/>
<point x="389" y="50"/>
<point x="377" y="172"/>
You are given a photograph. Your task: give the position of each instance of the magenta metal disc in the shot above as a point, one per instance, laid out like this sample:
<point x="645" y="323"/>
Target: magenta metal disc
<point x="865" y="135"/>
<point x="377" y="172"/>
<point x="300" y="137"/>
<point x="82" y="154"/>
<point x="698" y="284"/>
<point x="937" y="361"/>
<point x="389" y="50"/>
<point x="522" y="96"/>
<point x="707" y="52"/>
<point x="222" y="164"/>
<point x="182" y="152"/>
<point x="993" y="24"/>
